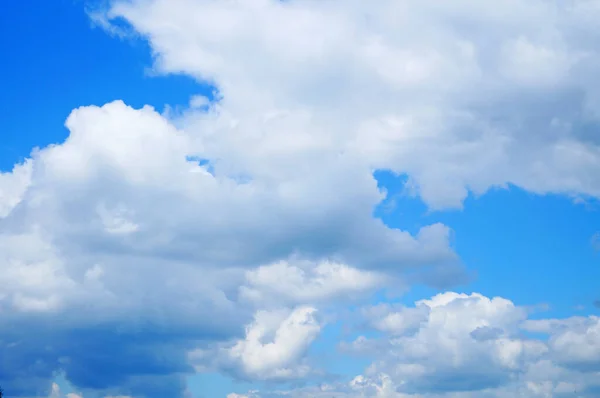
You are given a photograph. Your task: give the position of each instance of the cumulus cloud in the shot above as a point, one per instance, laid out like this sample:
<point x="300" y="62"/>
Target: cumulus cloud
<point x="273" y="349"/>
<point x="144" y="234"/>
<point x="12" y="186"/>
<point x="300" y="282"/>
<point x="275" y="342"/>
<point x="467" y="346"/>
<point x="454" y="342"/>
<point x="482" y="97"/>
<point x="120" y="230"/>
<point x="574" y="343"/>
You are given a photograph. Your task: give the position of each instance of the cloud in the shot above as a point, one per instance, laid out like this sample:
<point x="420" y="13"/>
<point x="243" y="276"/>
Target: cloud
<point x="127" y="245"/>
<point x="467" y="346"/>
<point x="12" y="186"/>
<point x="153" y="186"/>
<point x="483" y="98"/>
<point x="302" y="282"/>
<point x="273" y="349"/>
<point x="144" y="234"/>
<point x="453" y="342"/>
<point x="275" y="343"/>
<point x="574" y="343"/>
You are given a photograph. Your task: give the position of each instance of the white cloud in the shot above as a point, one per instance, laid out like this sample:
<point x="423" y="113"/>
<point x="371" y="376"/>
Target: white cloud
<point x="275" y="343"/>
<point x="12" y="187"/>
<point x="300" y="282"/>
<point x="453" y="342"/>
<point x="127" y="172"/>
<point x="119" y="225"/>
<point x="483" y="97"/>
<point x="274" y="347"/>
<point x="574" y="342"/>
<point x="122" y="192"/>
<point x="467" y="346"/>
<point x="383" y="318"/>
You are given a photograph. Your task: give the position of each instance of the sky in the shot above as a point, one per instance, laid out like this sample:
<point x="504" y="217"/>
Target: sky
<point x="264" y="198"/>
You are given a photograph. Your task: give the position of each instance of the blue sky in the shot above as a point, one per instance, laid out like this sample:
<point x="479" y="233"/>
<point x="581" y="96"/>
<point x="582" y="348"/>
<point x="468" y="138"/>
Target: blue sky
<point x="59" y="61"/>
<point x="147" y="279"/>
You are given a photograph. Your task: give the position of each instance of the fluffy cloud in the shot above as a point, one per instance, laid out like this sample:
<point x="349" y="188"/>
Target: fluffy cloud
<point x="574" y="343"/>
<point x="454" y="343"/>
<point x="291" y="334"/>
<point x="273" y="348"/>
<point x="12" y="186"/>
<point x="482" y="97"/>
<point x="466" y="346"/>
<point x="121" y="240"/>
<point x="302" y="282"/>
<point x="144" y="234"/>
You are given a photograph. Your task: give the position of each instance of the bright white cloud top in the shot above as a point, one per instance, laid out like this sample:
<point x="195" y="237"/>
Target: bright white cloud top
<point x="226" y="236"/>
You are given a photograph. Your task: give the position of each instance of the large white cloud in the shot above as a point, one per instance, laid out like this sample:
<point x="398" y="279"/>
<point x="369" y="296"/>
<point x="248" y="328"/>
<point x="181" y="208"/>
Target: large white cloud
<point x="120" y="232"/>
<point x="291" y="336"/>
<point x="457" y="343"/>
<point x="466" y="346"/>
<point x="460" y="96"/>
<point x="120" y="200"/>
<point x="273" y="348"/>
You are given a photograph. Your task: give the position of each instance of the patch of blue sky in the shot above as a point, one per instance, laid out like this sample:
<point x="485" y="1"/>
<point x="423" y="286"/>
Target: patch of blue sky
<point x="208" y="385"/>
<point x="59" y="61"/>
<point x="202" y="162"/>
<point x="533" y="249"/>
